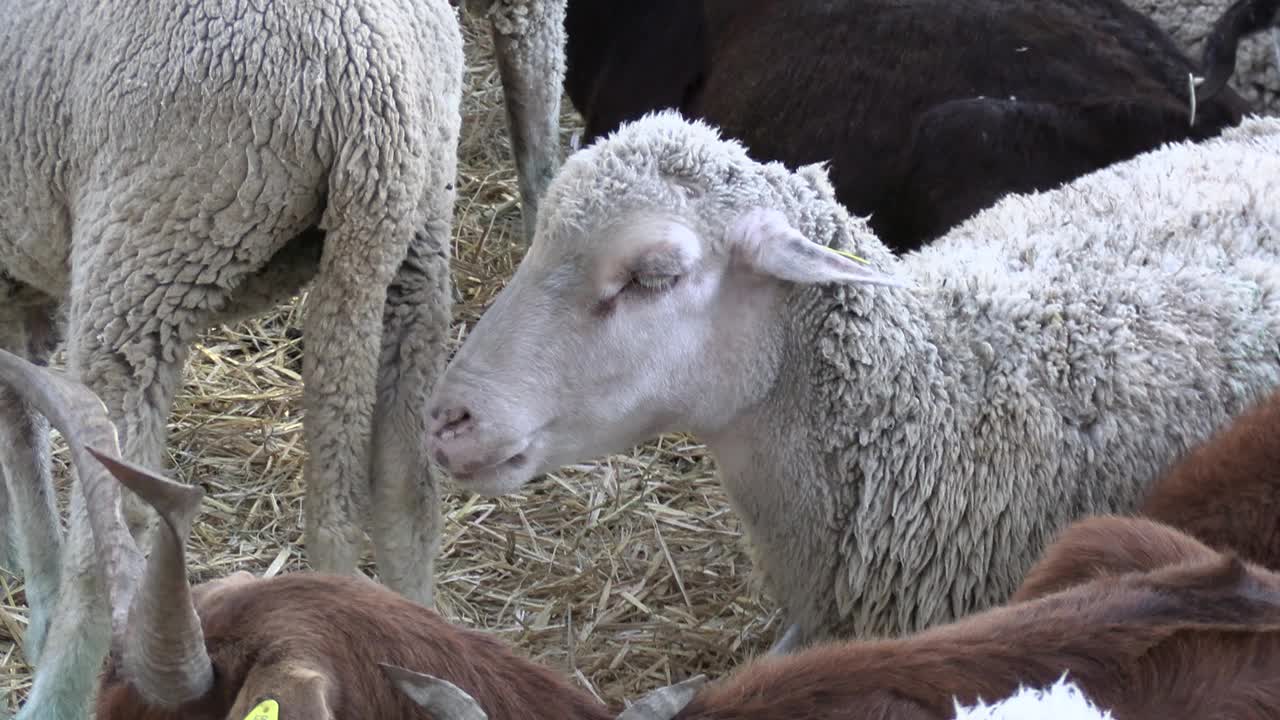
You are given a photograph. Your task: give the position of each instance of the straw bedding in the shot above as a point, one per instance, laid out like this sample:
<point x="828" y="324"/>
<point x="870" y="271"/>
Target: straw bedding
<point x="624" y="574"/>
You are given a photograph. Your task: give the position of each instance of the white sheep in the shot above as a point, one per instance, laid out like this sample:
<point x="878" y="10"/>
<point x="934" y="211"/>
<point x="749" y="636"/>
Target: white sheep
<point x="166" y="168"/>
<point x="1063" y="700"/>
<point x="1257" y="75"/>
<point x="898" y="456"/>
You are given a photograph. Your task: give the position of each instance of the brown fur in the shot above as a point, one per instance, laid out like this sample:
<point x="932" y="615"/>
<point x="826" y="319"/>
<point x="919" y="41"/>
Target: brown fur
<point x="1151" y="624"/>
<point x="1198" y="638"/>
<point x="1149" y="621"/>
<point x="314" y="642"/>
<point x="1107" y="546"/>
<point x="1226" y="492"/>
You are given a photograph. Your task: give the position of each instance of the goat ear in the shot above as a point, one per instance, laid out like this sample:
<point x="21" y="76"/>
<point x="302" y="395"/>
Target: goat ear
<point x="665" y="703"/>
<point x="441" y="698"/>
<point x="771" y="246"/>
<point x="283" y="692"/>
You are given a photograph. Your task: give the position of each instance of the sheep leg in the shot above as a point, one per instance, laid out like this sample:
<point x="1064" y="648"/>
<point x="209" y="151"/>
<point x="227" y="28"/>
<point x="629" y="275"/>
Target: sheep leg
<point x="528" y="39"/>
<point x="406" y="502"/>
<point x="31" y="513"/>
<point x="343" y="331"/>
<point x="136" y="375"/>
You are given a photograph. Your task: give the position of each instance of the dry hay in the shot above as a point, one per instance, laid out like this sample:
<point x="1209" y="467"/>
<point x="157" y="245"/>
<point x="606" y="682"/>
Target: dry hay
<point x="624" y="574"/>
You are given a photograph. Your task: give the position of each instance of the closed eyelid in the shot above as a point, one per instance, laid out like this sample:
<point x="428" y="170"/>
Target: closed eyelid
<point x="661" y="261"/>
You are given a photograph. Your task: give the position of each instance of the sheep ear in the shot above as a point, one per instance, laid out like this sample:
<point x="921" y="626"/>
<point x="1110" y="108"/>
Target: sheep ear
<point x="441" y="698"/>
<point x="771" y="246"/>
<point x="283" y="692"/>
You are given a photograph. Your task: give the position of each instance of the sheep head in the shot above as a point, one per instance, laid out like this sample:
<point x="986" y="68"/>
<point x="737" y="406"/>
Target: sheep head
<point x="648" y="303"/>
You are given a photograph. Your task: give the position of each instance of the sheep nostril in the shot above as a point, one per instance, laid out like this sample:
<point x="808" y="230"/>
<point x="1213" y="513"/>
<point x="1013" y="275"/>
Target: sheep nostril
<point x="442" y="459"/>
<point x="452" y="422"/>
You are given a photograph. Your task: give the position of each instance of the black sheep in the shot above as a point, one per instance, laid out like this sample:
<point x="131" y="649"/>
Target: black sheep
<point x="927" y="110"/>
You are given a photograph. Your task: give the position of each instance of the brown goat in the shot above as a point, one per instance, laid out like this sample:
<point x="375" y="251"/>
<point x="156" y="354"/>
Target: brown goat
<point x="313" y="643"/>
<point x="1109" y="546"/>
<point x="1193" y="640"/>
<point x="1165" y="628"/>
<point x="1226" y="491"/>
<point x="1156" y="625"/>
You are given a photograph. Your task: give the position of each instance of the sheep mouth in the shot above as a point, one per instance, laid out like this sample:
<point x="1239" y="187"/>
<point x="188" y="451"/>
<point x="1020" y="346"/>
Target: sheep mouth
<point x="500" y="478"/>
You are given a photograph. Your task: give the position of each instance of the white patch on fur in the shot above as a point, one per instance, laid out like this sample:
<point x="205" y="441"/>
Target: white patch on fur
<point x="1063" y="700"/>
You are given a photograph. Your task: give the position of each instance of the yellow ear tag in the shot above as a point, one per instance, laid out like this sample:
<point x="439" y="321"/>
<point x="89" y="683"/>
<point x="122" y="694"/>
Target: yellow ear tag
<point x="266" y="710"/>
<point x="849" y="255"/>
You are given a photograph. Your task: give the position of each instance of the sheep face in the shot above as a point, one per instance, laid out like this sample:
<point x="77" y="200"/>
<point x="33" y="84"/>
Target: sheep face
<point x="649" y="307"/>
<point x="585" y="353"/>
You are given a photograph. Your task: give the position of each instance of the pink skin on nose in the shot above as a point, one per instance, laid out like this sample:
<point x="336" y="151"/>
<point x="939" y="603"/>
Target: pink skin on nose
<point x="447" y="426"/>
<point x="458" y="445"/>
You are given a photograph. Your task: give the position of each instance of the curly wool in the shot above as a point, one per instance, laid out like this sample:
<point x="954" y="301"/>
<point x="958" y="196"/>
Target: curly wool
<point x="920" y="448"/>
<point x="164" y="170"/>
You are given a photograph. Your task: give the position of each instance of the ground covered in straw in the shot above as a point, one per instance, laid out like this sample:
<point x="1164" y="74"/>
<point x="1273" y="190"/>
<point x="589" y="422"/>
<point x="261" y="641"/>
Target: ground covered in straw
<point x="624" y="574"/>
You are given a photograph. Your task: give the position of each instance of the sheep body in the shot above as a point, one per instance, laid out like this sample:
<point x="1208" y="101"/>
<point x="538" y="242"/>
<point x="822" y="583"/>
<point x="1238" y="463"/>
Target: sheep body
<point x="1044" y="375"/>
<point x="898" y="458"/>
<point x="166" y="169"/>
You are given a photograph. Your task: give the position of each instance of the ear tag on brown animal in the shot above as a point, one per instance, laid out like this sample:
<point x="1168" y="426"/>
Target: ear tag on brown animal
<point x="849" y="255"/>
<point x="265" y="710"/>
